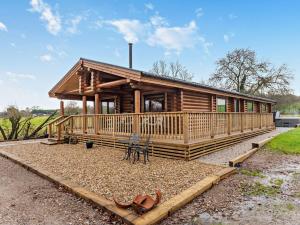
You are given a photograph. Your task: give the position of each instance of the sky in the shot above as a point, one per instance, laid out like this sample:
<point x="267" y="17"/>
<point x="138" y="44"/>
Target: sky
<point x="40" y="40"/>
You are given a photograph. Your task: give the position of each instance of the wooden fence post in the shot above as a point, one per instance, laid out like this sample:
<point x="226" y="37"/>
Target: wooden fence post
<point x="50" y="130"/>
<point x="186" y="126"/>
<point x="96" y="124"/>
<point x="59" y="132"/>
<point x="242" y="123"/>
<point x="212" y="125"/>
<point x="71" y="125"/>
<point x="229" y="123"/>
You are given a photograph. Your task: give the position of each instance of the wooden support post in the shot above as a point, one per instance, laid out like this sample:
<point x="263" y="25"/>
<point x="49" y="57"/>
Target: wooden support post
<point x="59" y="132"/>
<point x="186" y="126"/>
<point x="72" y="124"/>
<point x="62" y="108"/>
<point x="96" y="111"/>
<point x="137" y="110"/>
<point x="137" y="101"/>
<point x="84" y="112"/>
<point x="166" y="102"/>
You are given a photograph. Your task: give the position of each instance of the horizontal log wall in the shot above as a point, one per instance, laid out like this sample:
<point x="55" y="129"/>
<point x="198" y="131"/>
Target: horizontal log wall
<point x="193" y="101"/>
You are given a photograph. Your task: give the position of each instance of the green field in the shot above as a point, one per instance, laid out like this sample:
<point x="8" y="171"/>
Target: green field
<point x="36" y="121"/>
<point x="288" y="143"/>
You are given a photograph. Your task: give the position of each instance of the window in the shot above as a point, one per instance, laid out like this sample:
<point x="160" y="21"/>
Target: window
<point x="108" y="106"/>
<point x="221" y="105"/>
<point x="154" y="103"/>
<point x="264" y="107"/>
<point x="249" y="106"/>
<point x="236" y="104"/>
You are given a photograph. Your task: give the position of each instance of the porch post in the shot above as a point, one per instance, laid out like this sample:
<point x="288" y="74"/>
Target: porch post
<point x="137" y="109"/>
<point x="96" y="103"/>
<point x="62" y="108"/>
<point x="137" y="101"/>
<point x="84" y="111"/>
<point x="96" y="111"/>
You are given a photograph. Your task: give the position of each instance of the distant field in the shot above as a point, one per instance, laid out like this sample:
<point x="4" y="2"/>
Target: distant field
<point x="36" y="121"/>
<point x="289" y="115"/>
<point x="288" y="143"/>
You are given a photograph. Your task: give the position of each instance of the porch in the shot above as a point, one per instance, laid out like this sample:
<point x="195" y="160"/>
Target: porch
<point x="185" y="135"/>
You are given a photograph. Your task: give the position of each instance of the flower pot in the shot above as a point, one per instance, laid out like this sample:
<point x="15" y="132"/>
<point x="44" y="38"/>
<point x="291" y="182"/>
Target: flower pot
<point x="89" y="145"/>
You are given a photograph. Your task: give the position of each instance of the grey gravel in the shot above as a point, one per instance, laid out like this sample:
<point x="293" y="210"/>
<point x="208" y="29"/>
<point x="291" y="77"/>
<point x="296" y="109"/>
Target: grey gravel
<point x="224" y="156"/>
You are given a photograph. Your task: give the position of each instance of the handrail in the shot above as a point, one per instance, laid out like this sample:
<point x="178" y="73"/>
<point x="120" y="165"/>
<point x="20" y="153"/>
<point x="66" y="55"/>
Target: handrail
<point x="184" y="126"/>
<point x="55" y="120"/>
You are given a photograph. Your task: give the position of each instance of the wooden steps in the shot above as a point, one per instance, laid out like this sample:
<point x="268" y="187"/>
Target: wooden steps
<point x="51" y="141"/>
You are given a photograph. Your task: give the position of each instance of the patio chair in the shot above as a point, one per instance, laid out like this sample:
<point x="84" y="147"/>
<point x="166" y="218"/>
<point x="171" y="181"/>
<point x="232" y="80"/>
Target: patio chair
<point x="133" y="143"/>
<point x="142" y="150"/>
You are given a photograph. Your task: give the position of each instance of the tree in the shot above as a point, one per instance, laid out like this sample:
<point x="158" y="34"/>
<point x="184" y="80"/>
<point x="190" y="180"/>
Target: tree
<point x="175" y="70"/>
<point x="241" y="71"/>
<point x="72" y="108"/>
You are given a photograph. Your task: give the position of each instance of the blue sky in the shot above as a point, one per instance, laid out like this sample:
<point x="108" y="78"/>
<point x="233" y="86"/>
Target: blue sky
<point x="40" y="40"/>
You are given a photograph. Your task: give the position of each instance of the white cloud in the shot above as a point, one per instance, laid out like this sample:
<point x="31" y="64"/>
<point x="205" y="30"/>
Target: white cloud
<point x="17" y="76"/>
<point x="46" y="58"/>
<point x="199" y="12"/>
<point x="175" y="38"/>
<point x="12" y="44"/>
<point x="3" y="27"/>
<point x="149" y="6"/>
<point x="158" y="21"/>
<point x="73" y="29"/>
<point x="53" y="20"/>
<point x="23" y="36"/>
<point x="232" y="16"/>
<point x="130" y="29"/>
<point x="228" y="37"/>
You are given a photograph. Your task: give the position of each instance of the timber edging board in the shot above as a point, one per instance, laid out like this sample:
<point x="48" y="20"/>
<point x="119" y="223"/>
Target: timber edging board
<point x="157" y="214"/>
<point x="255" y="147"/>
<point x="126" y="215"/>
<point x="167" y="208"/>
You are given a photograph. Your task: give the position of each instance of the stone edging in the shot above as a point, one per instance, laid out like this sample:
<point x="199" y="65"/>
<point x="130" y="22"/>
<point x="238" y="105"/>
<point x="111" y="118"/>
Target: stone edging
<point x="157" y="214"/>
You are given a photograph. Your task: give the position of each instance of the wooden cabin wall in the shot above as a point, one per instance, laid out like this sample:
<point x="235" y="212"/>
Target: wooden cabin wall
<point x="229" y="105"/>
<point x="118" y="104"/>
<point x="193" y="101"/>
<point x="127" y="103"/>
<point x="213" y="103"/>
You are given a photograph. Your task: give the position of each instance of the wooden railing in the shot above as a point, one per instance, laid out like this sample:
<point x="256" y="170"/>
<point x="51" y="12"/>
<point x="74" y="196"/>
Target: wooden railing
<point x="184" y="126"/>
<point x="52" y="128"/>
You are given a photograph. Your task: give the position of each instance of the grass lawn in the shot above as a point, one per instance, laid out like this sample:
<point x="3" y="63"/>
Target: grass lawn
<point x="288" y="143"/>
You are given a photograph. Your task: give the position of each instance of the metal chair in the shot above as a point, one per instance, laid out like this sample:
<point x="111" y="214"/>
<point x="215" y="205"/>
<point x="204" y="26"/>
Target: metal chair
<point x="142" y="150"/>
<point x="133" y="143"/>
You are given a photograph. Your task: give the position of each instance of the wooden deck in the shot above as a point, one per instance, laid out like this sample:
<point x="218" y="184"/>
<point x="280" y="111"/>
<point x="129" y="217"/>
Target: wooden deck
<point x="177" y="135"/>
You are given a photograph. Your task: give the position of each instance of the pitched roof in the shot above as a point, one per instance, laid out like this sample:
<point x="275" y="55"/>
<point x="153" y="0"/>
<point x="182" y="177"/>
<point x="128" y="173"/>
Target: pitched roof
<point x="172" y="79"/>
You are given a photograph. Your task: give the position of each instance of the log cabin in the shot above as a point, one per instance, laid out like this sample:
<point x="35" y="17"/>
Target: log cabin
<point x="184" y="119"/>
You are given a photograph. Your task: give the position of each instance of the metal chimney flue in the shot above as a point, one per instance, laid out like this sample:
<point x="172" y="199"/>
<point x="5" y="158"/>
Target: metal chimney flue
<point x="130" y="55"/>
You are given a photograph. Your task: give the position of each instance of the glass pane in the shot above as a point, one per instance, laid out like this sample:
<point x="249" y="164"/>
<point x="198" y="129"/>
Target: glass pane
<point x="147" y="106"/>
<point x="236" y="105"/>
<point x="250" y="106"/>
<point x="221" y="105"/>
<point x="156" y="106"/>
<point x="111" y="107"/>
<point x="104" y="107"/>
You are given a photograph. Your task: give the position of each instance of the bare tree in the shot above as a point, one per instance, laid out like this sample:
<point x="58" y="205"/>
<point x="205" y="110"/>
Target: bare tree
<point x="175" y="70"/>
<point x="241" y="71"/>
<point x="72" y="108"/>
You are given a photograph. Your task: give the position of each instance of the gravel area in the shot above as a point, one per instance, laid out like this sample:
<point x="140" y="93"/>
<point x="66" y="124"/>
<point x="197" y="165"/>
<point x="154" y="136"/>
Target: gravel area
<point x="25" y="198"/>
<point x="224" y="156"/>
<point x="102" y="170"/>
